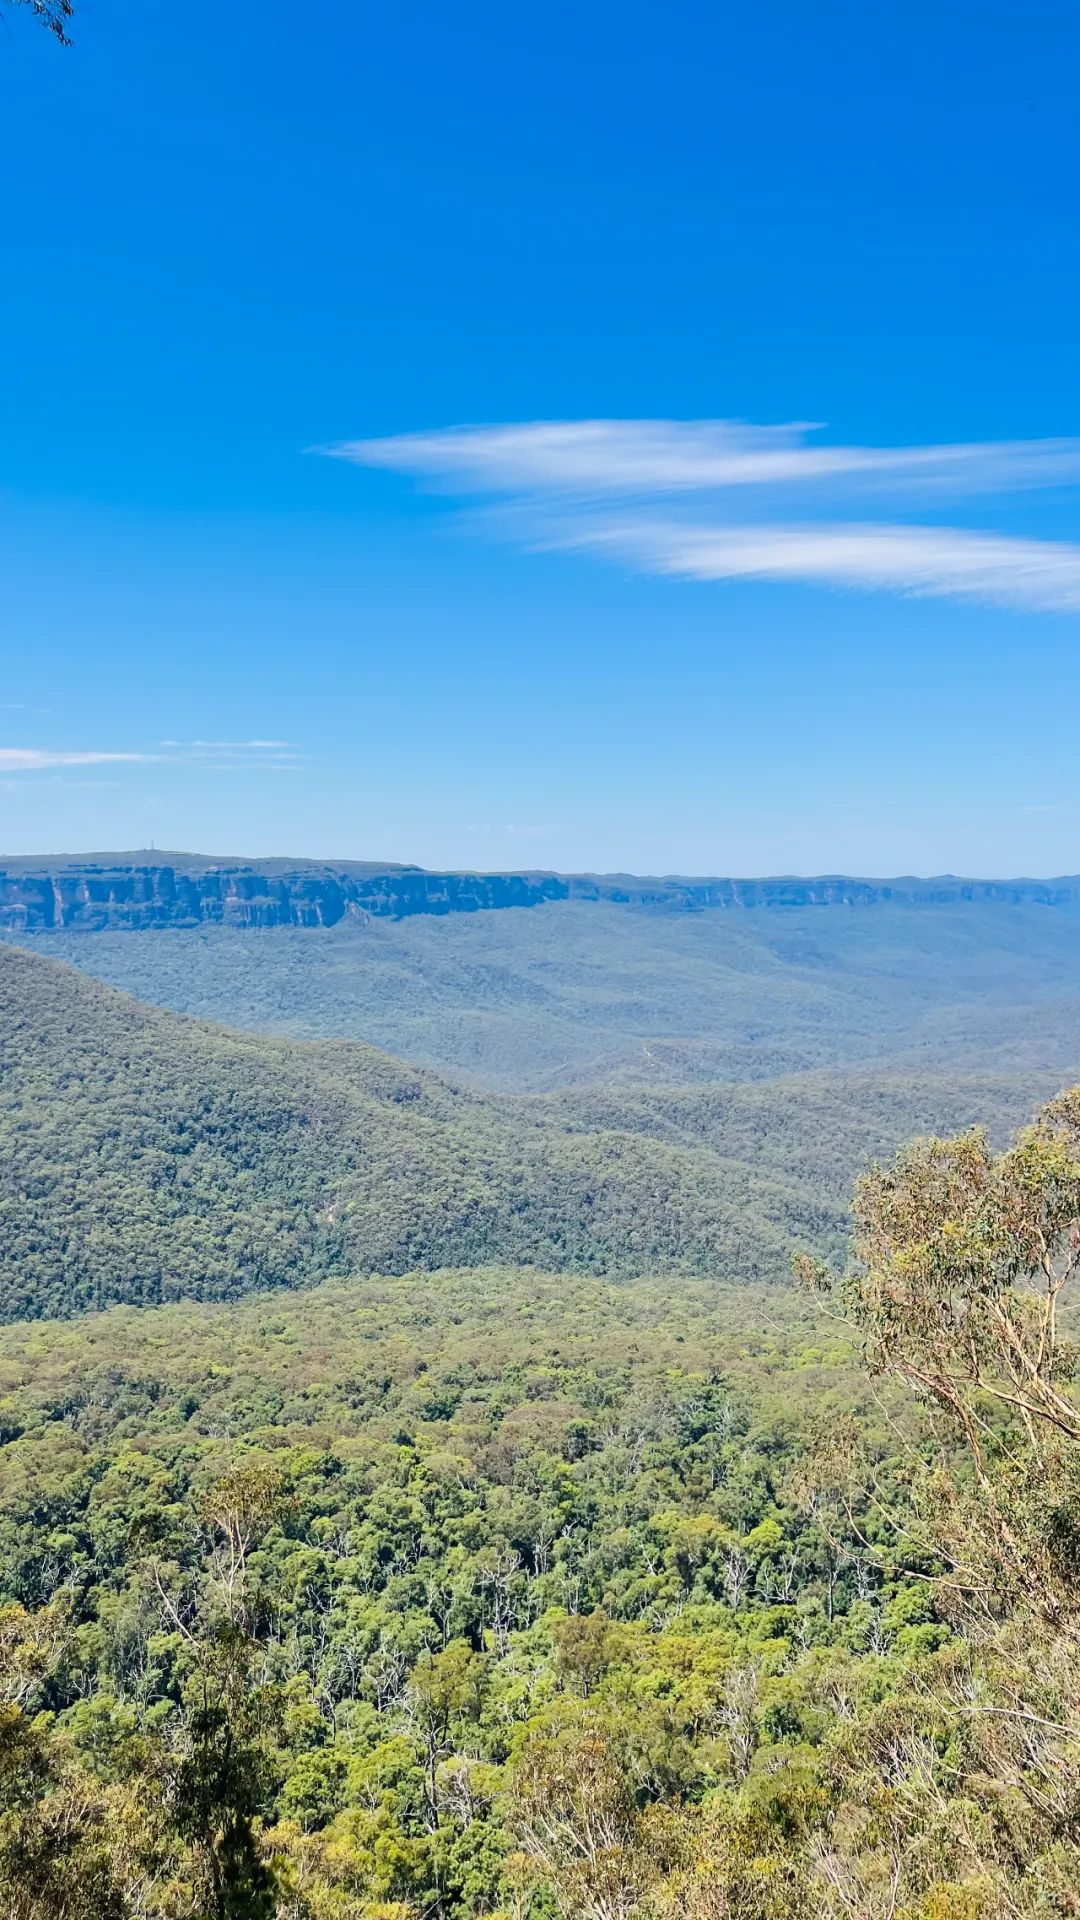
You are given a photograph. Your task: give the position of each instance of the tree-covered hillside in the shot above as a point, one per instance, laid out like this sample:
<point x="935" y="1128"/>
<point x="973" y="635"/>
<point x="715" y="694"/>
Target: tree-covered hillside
<point x="821" y="1127"/>
<point x="146" y="1157"/>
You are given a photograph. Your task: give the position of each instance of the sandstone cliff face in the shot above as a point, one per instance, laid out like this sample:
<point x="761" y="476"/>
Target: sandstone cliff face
<point x="177" y="891"/>
<point x="119" y="895"/>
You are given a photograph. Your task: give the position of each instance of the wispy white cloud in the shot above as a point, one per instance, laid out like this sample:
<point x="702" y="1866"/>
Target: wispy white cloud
<point x="532" y="831"/>
<point x="34" y="759"/>
<point x="669" y="456"/>
<point x="944" y="561"/>
<point x="218" y="756"/>
<point x="231" y="746"/>
<point x="596" y="485"/>
<point x="235" y="756"/>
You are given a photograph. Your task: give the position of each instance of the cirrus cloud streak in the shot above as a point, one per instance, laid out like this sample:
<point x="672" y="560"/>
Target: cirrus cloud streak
<point x="609" y="457"/>
<point x="949" y="562"/>
<point x="35" y="759"/>
<point x="754" y="503"/>
<point x="208" y="756"/>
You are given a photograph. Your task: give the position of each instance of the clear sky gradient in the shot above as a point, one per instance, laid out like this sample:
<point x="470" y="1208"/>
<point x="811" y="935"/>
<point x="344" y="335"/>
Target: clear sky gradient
<point x="235" y="240"/>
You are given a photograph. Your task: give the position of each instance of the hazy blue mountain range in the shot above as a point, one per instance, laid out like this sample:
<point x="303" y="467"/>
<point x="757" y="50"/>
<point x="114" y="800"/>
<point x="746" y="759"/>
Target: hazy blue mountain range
<point x="575" y="992"/>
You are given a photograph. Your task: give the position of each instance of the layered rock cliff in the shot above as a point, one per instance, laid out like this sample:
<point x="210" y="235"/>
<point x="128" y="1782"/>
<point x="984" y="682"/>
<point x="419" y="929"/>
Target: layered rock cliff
<point x="146" y="890"/>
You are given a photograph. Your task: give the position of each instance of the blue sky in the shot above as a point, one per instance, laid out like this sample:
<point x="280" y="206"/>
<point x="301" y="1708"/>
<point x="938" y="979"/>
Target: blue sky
<point x="235" y="243"/>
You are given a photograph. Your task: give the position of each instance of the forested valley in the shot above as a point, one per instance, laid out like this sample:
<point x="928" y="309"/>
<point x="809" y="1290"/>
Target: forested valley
<point x="422" y="1501"/>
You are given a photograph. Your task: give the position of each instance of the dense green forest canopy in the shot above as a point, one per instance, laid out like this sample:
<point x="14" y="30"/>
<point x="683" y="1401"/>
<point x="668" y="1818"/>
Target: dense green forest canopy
<point x="456" y="1521"/>
<point x="146" y="1156"/>
<point x="497" y="1594"/>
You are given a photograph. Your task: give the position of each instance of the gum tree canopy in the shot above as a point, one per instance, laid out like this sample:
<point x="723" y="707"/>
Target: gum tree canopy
<point x="53" y="14"/>
<point x="959" y="1286"/>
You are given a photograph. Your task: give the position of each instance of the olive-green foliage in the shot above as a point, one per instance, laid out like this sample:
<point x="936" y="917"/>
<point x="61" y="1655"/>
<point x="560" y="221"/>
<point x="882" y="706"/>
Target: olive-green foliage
<point x="502" y="1593"/>
<point x="963" y="1266"/>
<point x="144" y="1156"/>
<point x="430" y="1596"/>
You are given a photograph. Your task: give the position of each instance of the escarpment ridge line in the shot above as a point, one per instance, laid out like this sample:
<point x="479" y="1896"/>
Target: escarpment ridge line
<point x="144" y="890"/>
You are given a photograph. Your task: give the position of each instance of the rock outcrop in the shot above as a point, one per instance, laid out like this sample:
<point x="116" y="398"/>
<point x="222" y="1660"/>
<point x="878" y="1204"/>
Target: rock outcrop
<point x="146" y="890"/>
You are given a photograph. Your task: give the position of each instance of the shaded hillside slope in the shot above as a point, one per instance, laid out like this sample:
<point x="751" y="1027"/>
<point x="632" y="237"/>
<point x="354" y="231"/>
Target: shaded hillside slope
<point x="825" y="1125"/>
<point x="144" y="1156"/>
